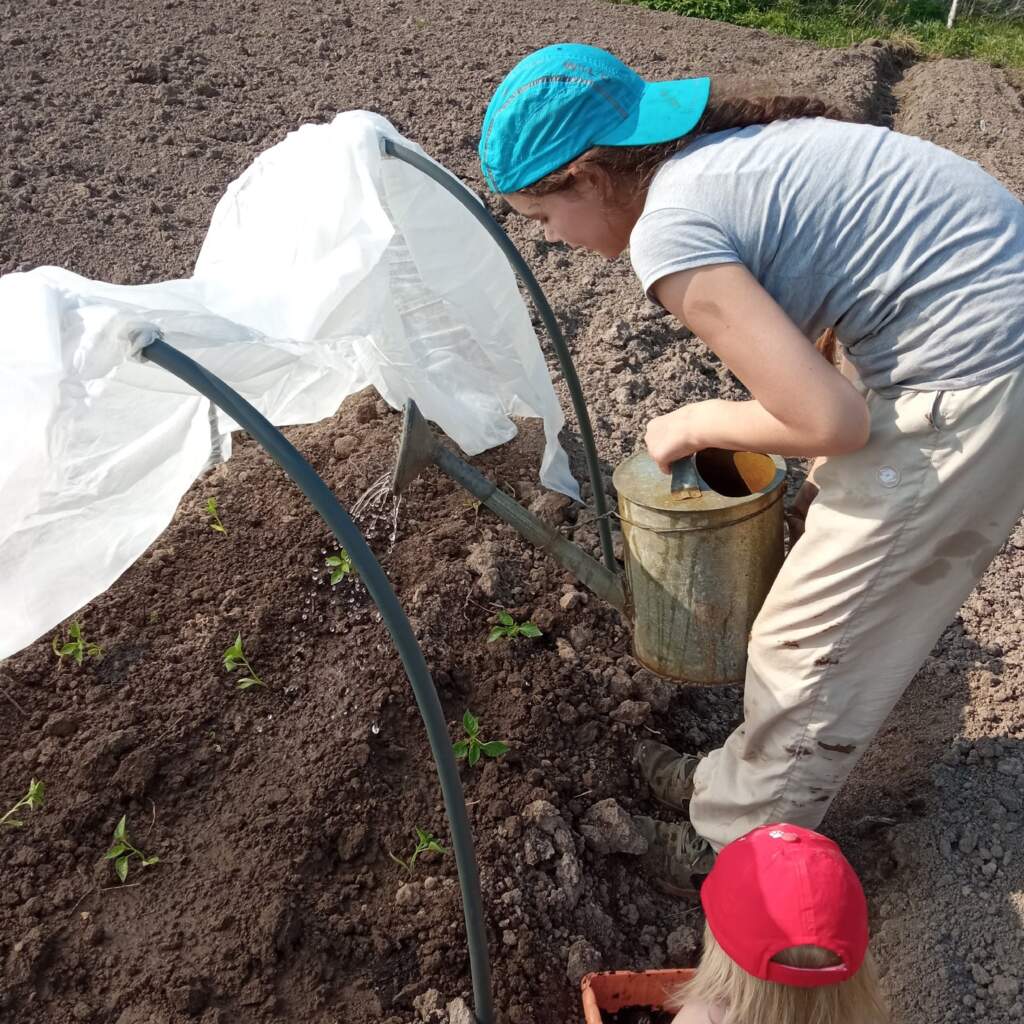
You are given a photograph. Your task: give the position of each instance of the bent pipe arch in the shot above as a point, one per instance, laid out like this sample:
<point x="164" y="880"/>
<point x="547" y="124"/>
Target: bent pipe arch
<point x="469" y="200"/>
<point x="156" y="350"/>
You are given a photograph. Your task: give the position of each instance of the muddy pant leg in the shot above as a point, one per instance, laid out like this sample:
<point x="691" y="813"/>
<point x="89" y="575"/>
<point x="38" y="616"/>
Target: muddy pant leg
<point x="896" y="539"/>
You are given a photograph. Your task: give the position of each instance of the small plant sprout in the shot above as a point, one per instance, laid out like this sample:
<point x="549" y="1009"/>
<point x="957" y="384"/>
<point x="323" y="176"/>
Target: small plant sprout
<point x="472" y="746"/>
<point x="234" y="657"/>
<point x="76" y="646"/>
<point x="215" y="523"/>
<point x="33" y="800"/>
<point x="509" y="629"/>
<point x="425" y="843"/>
<point x="123" y="850"/>
<point x="340" y="566"/>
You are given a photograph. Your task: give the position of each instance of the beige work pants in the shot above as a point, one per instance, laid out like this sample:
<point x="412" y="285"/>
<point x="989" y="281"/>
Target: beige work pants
<point x="895" y="540"/>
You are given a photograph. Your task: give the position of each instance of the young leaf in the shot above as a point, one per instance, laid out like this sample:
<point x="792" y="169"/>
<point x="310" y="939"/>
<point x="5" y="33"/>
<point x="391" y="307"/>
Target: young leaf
<point x="495" y="748"/>
<point x="470" y="723"/>
<point x="505" y="619"/>
<point x="115" y="851"/>
<point x="146" y="861"/>
<point x="233" y="655"/>
<point x="460" y="747"/>
<point x="474" y="754"/>
<point x="13" y="823"/>
<point x="247" y="682"/>
<point x="341" y="565"/>
<point x="75" y="631"/>
<point x="496" y="633"/>
<point x="211" y="511"/>
<point x="529" y="629"/>
<point x="121" y="867"/>
<point x="121" y="832"/>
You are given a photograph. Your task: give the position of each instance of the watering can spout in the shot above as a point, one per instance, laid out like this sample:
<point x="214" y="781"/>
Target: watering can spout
<point x="419" y="448"/>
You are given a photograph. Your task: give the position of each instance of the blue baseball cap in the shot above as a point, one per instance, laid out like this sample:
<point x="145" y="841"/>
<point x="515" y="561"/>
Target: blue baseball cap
<point x="561" y="100"/>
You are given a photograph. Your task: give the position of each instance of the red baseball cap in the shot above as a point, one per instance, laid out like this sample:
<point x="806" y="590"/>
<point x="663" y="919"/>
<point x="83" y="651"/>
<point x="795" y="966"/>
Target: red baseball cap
<point x="781" y="886"/>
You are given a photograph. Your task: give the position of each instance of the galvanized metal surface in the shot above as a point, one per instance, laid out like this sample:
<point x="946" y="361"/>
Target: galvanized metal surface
<point x="416" y="448"/>
<point x="685" y="483"/>
<point x="699" y="568"/>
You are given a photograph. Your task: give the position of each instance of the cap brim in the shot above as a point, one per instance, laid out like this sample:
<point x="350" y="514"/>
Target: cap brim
<point x="666" y="111"/>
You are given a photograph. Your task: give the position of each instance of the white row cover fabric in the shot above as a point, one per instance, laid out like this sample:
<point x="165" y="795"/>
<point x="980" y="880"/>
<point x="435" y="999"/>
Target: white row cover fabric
<point x="327" y="267"/>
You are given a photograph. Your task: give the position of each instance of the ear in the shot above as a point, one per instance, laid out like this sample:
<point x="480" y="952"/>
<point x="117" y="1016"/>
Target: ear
<point x="591" y="181"/>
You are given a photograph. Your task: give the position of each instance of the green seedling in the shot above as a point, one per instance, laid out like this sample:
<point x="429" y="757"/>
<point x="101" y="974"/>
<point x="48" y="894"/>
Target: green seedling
<point x="509" y="629"/>
<point x="472" y="746"/>
<point x="234" y="657"/>
<point x="425" y="843"/>
<point x="76" y="646"/>
<point x="122" y="851"/>
<point x="33" y="800"/>
<point x="211" y="511"/>
<point x="340" y="566"/>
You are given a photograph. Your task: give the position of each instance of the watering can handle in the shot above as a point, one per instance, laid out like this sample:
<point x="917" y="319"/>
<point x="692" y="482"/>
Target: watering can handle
<point x="685" y="481"/>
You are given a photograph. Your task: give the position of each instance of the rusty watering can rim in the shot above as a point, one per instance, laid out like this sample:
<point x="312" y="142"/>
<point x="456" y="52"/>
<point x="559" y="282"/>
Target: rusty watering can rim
<point x="639" y="481"/>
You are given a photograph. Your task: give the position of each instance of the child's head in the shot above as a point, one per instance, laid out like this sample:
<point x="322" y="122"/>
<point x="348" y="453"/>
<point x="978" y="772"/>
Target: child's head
<point x="786" y="940"/>
<point x="562" y="100"/>
<point x="572" y="137"/>
<point x="555" y="106"/>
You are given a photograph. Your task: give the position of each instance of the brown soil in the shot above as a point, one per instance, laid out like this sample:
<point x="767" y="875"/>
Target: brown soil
<point x="274" y="811"/>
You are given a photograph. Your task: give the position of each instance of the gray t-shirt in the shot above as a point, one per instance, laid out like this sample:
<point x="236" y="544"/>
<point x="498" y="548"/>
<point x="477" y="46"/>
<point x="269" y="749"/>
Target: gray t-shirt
<point x="914" y="255"/>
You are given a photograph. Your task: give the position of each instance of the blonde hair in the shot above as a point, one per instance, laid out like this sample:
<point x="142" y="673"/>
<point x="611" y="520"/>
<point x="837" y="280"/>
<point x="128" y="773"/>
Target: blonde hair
<point x="749" y="1000"/>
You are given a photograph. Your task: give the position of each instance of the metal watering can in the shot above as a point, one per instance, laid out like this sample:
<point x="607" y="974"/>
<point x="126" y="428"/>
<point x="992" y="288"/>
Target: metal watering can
<point x="701" y="550"/>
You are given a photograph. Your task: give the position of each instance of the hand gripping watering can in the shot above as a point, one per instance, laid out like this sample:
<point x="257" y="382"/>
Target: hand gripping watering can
<point x="701" y="549"/>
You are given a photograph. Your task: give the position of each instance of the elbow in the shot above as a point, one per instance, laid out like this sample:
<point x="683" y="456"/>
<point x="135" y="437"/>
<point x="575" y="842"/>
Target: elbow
<point x="846" y="433"/>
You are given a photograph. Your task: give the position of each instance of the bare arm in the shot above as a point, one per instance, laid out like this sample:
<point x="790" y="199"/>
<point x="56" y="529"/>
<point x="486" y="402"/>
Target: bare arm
<point x="801" y="404"/>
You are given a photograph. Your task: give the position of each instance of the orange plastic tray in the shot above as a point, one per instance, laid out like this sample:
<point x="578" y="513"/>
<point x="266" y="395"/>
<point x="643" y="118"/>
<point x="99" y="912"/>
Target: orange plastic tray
<point x="612" y="990"/>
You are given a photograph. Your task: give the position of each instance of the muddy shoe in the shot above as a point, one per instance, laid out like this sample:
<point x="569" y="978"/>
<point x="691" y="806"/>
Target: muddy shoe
<point x="677" y="858"/>
<point x="667" y="772"/>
